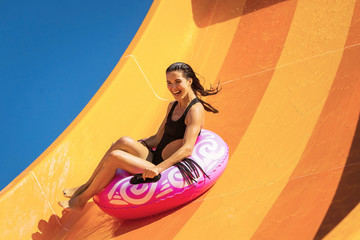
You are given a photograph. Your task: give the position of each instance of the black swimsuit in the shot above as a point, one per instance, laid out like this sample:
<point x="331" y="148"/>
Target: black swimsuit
<point x="174" y="130"/>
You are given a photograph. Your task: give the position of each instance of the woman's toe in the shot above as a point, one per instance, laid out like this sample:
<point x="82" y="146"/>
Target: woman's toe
<point x="65" y="205"/>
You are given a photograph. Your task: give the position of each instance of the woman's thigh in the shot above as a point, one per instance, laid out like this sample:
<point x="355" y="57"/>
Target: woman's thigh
<point x="133" y="147"/>
<point x="171" y="148"/>
<point x="128" y="162"/>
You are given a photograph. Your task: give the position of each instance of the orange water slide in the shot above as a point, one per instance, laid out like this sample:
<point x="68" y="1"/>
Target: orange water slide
<point x="289" y="111"/>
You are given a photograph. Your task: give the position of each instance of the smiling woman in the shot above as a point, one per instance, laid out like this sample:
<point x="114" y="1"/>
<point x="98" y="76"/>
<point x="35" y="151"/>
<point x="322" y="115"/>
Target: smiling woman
<point x="188" y="73"/>
<point x="173" y="143"/>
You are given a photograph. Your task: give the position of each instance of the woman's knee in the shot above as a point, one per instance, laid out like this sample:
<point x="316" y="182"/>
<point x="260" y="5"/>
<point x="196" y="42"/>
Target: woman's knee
<point x="123" y="142"/>
<point x="115" y="157"/>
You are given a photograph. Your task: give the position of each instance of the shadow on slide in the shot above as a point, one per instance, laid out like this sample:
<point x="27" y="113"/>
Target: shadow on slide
<point x="91" y="222"/>
<point x="77" y="226"/>
<point x="207" y="13"/>
<point x="347" y="195"/>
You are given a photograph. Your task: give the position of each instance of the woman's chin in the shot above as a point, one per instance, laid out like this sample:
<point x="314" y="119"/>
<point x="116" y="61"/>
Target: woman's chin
<point x="177" y="97"/>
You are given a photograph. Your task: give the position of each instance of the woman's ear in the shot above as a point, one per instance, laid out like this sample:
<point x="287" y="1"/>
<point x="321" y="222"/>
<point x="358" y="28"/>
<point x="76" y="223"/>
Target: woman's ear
<point x="190" y="80"/>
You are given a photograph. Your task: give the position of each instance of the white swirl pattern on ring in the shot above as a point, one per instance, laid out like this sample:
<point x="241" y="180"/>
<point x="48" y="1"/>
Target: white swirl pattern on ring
<point x="125" y="190"/>
<point x="207" y="151"/>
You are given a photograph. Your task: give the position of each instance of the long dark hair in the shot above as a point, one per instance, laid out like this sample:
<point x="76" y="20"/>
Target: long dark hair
<point x="196" y="86"/>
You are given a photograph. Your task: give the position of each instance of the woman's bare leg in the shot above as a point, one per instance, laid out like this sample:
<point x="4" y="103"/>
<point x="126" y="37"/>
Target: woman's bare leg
<point x="116" y="159"/>
<point x="72" y="192"/>
<point x="126" y="144"/>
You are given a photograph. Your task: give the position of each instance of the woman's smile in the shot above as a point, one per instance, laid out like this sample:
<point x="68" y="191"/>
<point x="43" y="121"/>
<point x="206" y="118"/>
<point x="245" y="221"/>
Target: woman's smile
<point x="177" y="93"/>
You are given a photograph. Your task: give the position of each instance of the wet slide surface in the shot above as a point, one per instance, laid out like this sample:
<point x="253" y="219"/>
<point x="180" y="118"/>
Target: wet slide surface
<point x="289" y="111"/>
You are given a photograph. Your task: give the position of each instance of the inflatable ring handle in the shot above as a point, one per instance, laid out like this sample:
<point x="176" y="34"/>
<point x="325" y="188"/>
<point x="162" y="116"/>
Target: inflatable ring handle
<point x="137" y="179"/>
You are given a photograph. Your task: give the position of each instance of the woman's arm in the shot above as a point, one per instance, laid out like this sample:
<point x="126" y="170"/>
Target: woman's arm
<point x="194" y="120"/>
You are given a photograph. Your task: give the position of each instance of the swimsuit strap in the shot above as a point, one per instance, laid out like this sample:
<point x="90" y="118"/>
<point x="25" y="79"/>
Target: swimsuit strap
<point x="171" y="110"/>
<point x="195" y="100"/>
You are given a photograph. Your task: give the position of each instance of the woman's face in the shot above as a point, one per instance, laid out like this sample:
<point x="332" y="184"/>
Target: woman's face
<point x="177" y="84"/>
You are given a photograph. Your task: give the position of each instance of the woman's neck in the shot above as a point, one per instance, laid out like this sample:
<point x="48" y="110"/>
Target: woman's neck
<point x="184" y="102"/>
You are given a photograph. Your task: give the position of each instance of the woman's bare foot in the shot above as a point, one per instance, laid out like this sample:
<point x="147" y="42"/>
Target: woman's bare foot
<point x="64" y="205"/>
<point x="69" y="192"/>
<point x="72" y="204"/>
<point x="73" y="192"/>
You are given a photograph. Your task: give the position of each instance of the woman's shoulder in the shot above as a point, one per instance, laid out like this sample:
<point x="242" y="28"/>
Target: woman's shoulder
<point x="196" y="114"/>
<point x="198" y="105"/>
<point x="170" y="106"/>
<point x="196" y="109"/>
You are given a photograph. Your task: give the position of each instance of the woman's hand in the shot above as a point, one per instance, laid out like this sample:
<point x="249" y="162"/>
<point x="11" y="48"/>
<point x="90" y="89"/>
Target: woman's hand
<point x="150" y="172"/>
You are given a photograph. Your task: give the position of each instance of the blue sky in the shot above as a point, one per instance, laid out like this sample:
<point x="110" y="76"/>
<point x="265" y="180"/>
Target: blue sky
<point x="55" y="55"/>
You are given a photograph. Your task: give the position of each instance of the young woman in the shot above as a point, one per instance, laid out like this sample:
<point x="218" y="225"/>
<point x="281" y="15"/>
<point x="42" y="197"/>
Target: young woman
<point x="174" y="140"/>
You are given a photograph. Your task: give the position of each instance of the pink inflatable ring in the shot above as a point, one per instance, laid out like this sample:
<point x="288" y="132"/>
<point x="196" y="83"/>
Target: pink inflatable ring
<point x="125" y="200"/>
